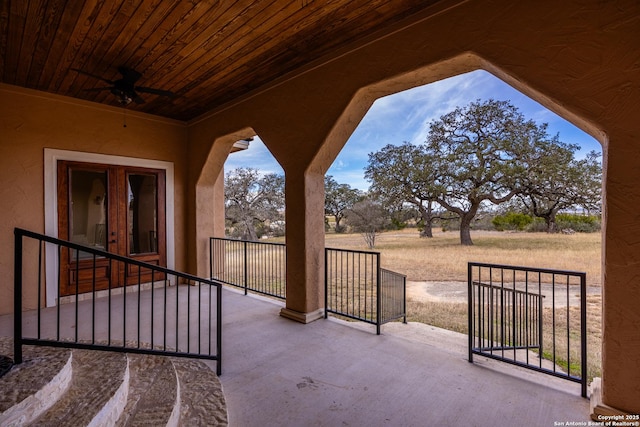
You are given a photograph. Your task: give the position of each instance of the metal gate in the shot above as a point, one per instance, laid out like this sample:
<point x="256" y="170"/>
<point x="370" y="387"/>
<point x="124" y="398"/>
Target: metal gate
<point x="530" y="317"/>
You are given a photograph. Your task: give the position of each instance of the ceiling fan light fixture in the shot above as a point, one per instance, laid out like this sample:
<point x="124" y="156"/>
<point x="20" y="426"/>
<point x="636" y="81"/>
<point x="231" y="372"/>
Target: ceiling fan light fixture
<point x="125" y="89"/>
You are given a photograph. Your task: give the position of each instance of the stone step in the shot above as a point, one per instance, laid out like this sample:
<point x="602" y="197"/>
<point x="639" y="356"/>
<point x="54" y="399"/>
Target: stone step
<point x="153" y="398"/>
<point x="61" y="387"/>
<point x="202" y="401"/>
<point x="32" y="387"/>
<point x="97" y="394"/>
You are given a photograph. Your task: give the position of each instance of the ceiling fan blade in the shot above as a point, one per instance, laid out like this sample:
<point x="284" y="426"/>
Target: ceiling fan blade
<point x="97" y="89"/>
<point x="129" y="75"/>
<point x="92" y="75"/>
<point x="155" y="91"/>
<point x="138" y="99"/>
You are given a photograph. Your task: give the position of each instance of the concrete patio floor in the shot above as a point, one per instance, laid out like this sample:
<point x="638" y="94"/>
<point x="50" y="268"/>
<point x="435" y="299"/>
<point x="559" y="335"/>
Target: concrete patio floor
<point x="276" y="372"/>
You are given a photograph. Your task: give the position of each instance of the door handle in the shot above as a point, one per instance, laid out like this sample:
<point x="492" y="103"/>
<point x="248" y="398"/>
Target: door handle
<point x="113" y="241"/>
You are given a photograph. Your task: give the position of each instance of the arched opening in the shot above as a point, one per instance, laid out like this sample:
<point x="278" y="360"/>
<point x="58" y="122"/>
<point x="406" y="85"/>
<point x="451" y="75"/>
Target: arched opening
<point x="442" y="300"/>
<point x="243" y="202"/>
<point x="254" y="182"/>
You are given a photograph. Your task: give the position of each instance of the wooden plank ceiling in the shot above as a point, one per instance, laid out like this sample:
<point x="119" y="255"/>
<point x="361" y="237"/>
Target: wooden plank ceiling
<point x="207" y="52"/>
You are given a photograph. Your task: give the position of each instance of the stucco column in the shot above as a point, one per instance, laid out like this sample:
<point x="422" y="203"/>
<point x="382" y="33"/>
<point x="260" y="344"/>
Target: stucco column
<point x="305" y="246"/>
<point x="209" y="217"/>
<point x="621" y="290"/>
<point x="206" y="193"/>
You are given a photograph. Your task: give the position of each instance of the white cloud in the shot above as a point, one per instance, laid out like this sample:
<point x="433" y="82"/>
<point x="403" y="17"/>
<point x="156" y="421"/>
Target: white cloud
<point x="339" y="165"/>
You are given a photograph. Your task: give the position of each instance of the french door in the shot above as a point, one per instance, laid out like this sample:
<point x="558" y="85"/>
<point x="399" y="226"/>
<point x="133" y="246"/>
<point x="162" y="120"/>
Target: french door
<point x="119" y="209"/>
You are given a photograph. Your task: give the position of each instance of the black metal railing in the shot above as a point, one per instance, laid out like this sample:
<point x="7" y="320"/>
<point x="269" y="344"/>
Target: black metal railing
<point x="393" y="296"/>
<point x="356" y="287"/>
<point x="253" y="266"/>
<point x="160" y="312"/>
<point x="530" y="317"/>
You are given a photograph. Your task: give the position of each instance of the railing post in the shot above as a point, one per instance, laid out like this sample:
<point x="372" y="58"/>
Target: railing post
<point x="246" y="270"/>
<point x="17" y="298"/>
<point x="210" y="257"/>
<point x="502" y="310"/>
<point x="470" y="310"/>
<point x="583" y="332"/>
<point x="514" y="341"/>
<point x="326" y="283"/>
<point x="218" y="328"/>
<point x="404" y="298"/>
<point x="379" y="295"/>
<point x="540" y="313"/>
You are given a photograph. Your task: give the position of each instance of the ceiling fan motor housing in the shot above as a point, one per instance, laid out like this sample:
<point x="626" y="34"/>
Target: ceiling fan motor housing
<point x="125" y="88"/>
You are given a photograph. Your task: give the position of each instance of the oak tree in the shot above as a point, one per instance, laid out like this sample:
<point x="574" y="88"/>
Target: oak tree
<point x="406" y="174"/>
<point x="477" y="150"/>
<point x="338" y="198"/>
<point x="556" y="181"/>
<point x="251" y="200"/>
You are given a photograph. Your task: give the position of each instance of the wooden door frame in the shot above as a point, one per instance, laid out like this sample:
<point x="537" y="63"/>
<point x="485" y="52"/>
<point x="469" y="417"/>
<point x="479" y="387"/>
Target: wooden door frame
<point x="70" y="274"/>
<point x="116" y="182"/>
<point x="51" y="157"/>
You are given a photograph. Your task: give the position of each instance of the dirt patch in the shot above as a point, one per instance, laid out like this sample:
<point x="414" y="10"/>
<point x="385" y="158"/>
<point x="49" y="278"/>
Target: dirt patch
<point x="458" y="292"/>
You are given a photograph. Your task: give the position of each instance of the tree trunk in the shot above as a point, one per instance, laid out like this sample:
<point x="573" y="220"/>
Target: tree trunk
<point x="370" y="239"/>
<point x="427" y="223"/>
<point x="427" y="231"/>
<point x="552" y="226"/>
<point x="427" y="227"/>
<point x="465" y="230"/>
<point x="338" y="229"/>
<point x="250" y="231"/>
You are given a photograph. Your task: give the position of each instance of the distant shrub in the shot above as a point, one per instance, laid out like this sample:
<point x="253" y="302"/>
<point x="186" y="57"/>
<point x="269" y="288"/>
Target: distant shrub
<point x="512" y="221"/>
<point x="482" y="222"/>
<point x="537" y="226"/>
<point x="578" y="223"/>
<point x="397" y="224"/>
<point x="448" y="222"/>
<point x="340" y="229"/>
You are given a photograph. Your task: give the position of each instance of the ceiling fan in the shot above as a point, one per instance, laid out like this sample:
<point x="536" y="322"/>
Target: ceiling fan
<point x="125" y="88"/>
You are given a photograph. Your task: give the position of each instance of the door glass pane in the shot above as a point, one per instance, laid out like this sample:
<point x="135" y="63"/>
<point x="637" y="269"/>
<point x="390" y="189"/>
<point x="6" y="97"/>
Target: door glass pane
<point x="88" y="212"/>
<point x="142" y="213"/>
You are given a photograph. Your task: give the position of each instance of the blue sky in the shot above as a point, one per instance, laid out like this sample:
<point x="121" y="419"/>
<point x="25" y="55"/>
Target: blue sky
<point x="405" y="116"/>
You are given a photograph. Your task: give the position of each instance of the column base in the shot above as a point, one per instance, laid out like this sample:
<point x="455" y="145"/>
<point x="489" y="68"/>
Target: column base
<point x="600" y="411"/>
<point x="302" y="317"/>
